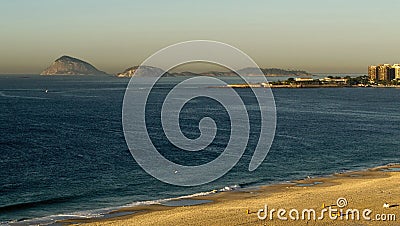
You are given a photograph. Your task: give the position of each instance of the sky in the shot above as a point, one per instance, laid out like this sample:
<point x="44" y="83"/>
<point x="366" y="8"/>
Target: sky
<point x="330" y="36"/>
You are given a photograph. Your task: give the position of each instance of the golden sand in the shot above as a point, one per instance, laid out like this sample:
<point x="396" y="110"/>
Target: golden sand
<point x="362" y="190"/>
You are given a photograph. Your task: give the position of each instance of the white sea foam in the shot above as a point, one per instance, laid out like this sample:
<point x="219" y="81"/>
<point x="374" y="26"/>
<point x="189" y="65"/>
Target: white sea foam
<point x="99" y="213"/>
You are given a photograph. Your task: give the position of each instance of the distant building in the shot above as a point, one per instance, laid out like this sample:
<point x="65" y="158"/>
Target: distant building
<point x="304" y="79"/>
<point x="372" y="73"/>
<point x="328" y="80"/>
<point x="395" y="71"/>
<point x="384" y="72"/>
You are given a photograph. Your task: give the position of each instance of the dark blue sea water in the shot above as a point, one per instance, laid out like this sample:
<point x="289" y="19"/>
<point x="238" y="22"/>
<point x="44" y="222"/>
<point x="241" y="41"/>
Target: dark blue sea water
<point x="63" y="153"/>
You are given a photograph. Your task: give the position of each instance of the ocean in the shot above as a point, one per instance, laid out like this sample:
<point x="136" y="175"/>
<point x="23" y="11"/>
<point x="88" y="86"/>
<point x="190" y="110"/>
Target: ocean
<point x="64" y="155"/>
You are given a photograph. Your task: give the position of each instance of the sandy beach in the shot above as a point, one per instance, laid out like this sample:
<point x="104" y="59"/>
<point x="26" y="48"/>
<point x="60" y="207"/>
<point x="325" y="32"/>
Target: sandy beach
<point x="353" y="198"/>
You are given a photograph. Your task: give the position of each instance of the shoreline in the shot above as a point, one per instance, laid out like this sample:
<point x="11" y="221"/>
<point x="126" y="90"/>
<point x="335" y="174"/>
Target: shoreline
<point x="271" y="86"/>
<point x="232" y="207"/>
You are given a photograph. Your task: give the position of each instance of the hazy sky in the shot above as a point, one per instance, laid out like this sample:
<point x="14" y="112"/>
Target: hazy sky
<point x="314" y="35"/>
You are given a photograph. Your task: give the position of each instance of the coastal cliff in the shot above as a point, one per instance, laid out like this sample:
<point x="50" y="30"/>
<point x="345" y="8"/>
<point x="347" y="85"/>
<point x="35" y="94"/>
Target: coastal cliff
<point x="67" y="65"/>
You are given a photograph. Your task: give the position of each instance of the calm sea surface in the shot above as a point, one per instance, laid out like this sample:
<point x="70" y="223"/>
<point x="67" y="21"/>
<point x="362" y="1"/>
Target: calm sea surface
<point x="63" y="153"/>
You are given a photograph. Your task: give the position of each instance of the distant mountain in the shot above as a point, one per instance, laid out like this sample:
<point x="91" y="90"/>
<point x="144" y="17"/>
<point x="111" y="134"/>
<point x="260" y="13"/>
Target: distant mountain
<point x="245" y="71"/>
<point x="281" y="72"/>
<point x="67" y="65"/>
<point x="127" y="73"/>
<point x="270" y="72"/>
<point x="142" y="71"/>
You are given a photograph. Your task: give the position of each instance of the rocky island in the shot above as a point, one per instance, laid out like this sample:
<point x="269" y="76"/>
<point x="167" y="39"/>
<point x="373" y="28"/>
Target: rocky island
<point x="67" y="65"/>
<point x="142" y="71"/>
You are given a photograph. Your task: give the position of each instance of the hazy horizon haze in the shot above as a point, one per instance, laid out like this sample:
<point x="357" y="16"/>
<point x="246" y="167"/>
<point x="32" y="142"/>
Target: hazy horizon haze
<point x="329" y="36"/>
